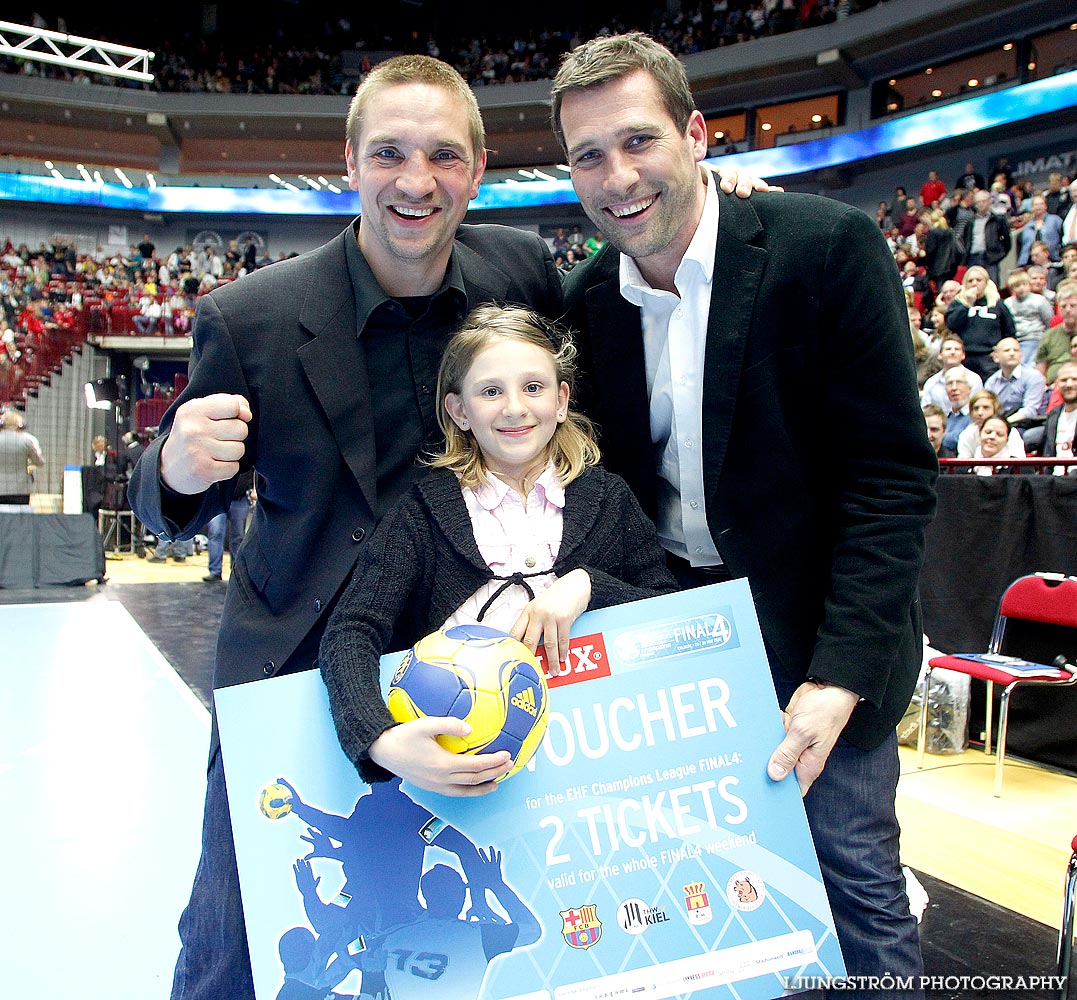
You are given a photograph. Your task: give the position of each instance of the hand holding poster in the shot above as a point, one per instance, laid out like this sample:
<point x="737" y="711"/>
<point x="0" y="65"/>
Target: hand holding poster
<point x="644" y="851"/>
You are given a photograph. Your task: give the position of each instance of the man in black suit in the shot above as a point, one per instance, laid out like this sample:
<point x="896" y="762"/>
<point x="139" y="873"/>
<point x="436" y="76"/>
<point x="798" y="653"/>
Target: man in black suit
<point x="720" y="336"/>
<point x="319" y="372"/>
<point x="1060" y="430"/>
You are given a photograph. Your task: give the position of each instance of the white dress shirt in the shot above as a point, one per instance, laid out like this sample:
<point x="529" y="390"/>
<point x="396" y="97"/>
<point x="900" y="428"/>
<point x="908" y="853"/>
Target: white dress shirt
<point x="674" y="346"/>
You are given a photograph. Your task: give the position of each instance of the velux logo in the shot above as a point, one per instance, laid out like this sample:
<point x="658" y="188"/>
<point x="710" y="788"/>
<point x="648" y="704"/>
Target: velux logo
<point x="587" y="659"/>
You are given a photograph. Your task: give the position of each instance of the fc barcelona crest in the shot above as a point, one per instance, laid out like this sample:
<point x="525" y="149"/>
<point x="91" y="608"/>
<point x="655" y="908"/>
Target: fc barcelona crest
<point x="582" y="928"/>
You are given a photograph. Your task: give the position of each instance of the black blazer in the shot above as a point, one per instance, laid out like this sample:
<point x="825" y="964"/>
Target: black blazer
<point x="285" y="337"/>
<point x="818" y="474"/>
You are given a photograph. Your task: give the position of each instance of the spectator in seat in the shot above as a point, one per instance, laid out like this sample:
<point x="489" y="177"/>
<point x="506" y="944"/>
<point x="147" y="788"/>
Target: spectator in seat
<point x="905" y="222"/>
<point x="1060" y="430"/>
<point x="984" y="404"/>
<point x="935" y="419"/>
<point x="148" y="315"/>
<point x="933" y="190"/>
<point x="1020" y="388"/>
<point x="1040" y="255"/>
<point x="1056" y="196"/>
<point x="970" y="179"/>
<point x="1054" y="348"/>
<point x="20" y="454"/>
<point x="980" y="319"/>
<point x="1038" y="281"/>
<point x="951" y="355"/>
<point x="957" y="412"/>
<point x="1069" y="222"/>
<point x="947" y="293"/>
<point x="995" y="441"/>
<point x="987" y="235"/>
<point x="1053" y="395"/>
<point x="1043" y="227"/>
<point x="1031" y="312"/>
<point x="961" y="213"/>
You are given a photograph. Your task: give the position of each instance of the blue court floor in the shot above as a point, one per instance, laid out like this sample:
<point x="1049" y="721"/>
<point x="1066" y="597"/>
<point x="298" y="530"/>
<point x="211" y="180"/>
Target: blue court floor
<point x="102" y="775"/>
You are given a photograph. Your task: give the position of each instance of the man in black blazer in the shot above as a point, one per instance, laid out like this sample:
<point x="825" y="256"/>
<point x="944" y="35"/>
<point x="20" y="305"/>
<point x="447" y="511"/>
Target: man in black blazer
<point x="1066" y="380"/>
<point x="319" y="372"/>
<point x="758" y="352"/>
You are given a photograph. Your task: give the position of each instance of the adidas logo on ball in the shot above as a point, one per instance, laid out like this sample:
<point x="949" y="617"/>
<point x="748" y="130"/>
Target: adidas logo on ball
<point x="525" y="701"/>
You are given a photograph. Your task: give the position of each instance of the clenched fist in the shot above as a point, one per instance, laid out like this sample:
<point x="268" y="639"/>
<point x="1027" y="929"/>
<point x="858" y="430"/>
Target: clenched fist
<point x="206" y="442"/>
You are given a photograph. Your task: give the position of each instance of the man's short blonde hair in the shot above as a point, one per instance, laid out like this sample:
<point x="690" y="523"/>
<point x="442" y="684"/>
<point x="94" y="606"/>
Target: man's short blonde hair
<point x="417" y="69"/>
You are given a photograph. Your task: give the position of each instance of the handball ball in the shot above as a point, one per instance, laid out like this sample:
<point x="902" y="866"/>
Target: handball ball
<point x="275" y="801"/>
<point x="485" y="677"/>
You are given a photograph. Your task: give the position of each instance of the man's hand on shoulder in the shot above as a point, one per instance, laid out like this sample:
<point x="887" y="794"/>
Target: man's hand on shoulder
<point x="731" y="179"/>
<point x="205" y="443"/>
<point x="814" y="719"/>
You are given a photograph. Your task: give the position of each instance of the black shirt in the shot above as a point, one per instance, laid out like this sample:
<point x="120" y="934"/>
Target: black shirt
<point x="403" y="340"/>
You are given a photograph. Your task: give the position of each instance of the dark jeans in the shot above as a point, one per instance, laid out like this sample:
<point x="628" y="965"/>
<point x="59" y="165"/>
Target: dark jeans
<point x="235" y="521"/>
<point x="214" y="963"/>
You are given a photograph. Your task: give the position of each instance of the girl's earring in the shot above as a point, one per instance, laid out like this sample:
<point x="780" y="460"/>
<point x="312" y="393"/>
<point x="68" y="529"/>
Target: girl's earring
<point x="464" y="424"/>
<point x="560" y="416"/>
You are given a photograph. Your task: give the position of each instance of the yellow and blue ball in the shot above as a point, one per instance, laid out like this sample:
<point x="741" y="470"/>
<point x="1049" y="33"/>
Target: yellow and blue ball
<point x="275" y="801"/>
<point x="485" y="677"/>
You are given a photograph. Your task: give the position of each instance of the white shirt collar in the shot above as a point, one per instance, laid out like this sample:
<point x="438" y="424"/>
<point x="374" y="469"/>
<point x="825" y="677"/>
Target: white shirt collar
<point x="700" y="252"/>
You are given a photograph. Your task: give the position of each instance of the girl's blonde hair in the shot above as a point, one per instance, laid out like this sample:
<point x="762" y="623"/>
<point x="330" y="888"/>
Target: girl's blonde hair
<point x="571" y="449"/>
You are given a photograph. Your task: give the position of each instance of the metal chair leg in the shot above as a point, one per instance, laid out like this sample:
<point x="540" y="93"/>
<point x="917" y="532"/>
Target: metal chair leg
<point x="921" y="739"/>
<point x="1000" y="750"/>
<point x="1065" y="934"/>
<point x="989" y="712"/>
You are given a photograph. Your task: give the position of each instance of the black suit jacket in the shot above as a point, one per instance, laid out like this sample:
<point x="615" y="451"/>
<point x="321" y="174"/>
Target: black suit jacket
<point x="285" y="337"/>
<point x="1050" y="432"/>
<point x="818" y="475"/>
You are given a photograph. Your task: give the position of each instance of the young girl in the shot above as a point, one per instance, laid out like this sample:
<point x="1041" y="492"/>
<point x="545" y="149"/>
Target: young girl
<point x="516" y="526"/>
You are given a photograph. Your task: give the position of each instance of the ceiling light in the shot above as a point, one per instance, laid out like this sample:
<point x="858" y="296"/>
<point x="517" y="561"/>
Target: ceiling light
<point x="1007" y="47"/>
<point x="48" y="164"/>
<point x="322" y="180"/>
<point x="543" y="175"/>
<point x="766" y="126"/>
<point x="936" y="93"/>
<point x="332" y="187"/>
<point x="311" y="184"/>
<point x="928" y="71"/>
<point x="123" y="177"/>
<point x="816" y="119"/>
<point x="526" y="173"/>
<point x="84" y="173"/>
<point x="565" y="167"/>
<point x="275" y="179"/>
<point x="719" y="134"/>
<point x="151" y="180"/>
<point x="893" y="83"/>
<point x="1031" y="65"/>
<point x="98" y="179"/>
<point x="56" y="173"/>
<point x="290" y="187"/>
<point x="974" y="82"/>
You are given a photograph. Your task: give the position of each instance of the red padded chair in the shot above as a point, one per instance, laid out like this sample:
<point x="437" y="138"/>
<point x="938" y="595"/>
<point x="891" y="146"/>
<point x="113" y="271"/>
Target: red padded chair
<point x="1045" y="599"/>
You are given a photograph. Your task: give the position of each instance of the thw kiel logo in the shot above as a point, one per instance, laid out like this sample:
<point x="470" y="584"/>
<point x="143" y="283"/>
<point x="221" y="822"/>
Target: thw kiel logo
<point x="587" y="659"/>
<point x="525" y="701"/>
<point x="634" y="916"/>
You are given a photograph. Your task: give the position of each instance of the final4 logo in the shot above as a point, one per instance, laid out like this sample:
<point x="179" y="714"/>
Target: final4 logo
<point x="582" y="928"/>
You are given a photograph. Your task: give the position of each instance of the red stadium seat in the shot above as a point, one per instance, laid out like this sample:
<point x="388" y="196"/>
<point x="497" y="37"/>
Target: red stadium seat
<point x="1047" y="603"/>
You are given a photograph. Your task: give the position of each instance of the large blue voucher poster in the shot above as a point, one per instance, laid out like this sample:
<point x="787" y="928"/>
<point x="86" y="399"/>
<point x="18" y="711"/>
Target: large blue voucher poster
<point x="643" y="853"/>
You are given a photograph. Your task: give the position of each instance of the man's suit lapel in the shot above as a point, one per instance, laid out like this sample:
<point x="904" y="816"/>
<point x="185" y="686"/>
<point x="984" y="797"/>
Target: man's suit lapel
<point x="335" y="364"/>
<point x="618" y="373"/>
<point x="738" y="272"/>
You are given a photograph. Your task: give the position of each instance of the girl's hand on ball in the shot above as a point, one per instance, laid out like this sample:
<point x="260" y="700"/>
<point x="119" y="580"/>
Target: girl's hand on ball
<point x="411" y="751"/>
<point x="552" y="614"/>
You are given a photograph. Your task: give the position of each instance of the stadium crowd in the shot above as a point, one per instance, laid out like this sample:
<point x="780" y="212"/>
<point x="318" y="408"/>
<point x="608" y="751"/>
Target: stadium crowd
<point x="333" y="56"/>
<point x="990" y="275"/>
